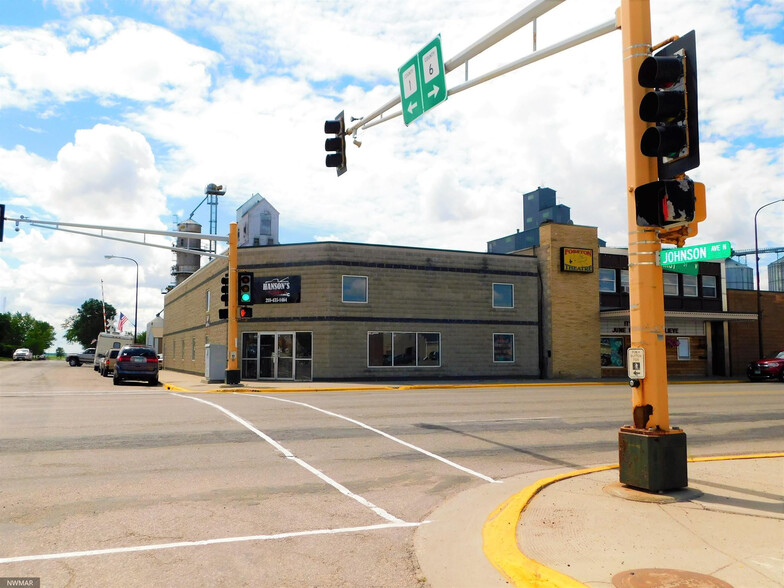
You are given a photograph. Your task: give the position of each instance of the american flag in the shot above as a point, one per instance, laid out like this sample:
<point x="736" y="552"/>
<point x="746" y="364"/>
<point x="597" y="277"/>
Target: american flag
<point x="121" y="322"/>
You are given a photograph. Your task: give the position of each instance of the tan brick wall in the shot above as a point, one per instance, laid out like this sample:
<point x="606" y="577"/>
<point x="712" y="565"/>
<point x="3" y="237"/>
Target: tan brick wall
<point x="571" y="324"/>
<point x="744" y="335"/>
<point x="409" y="290"/>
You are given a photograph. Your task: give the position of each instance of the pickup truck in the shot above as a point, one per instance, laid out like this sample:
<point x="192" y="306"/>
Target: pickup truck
<point x="77" y="359"/>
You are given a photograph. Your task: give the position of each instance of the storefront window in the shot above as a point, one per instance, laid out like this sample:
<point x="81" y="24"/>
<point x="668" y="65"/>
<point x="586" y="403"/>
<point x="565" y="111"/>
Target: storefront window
<point x="387" y="349"/>
<point x="606" y="280"/>
<point x="684" y="352"/>
<point x="355" y="289"/>
<point x="503" y="347"/>
<point x="503" y="295"/>
<point x="612" y="351"/>
<point x="625" y="281"/>
<point x="670" y="284"/>
<point x="689" y="285"/>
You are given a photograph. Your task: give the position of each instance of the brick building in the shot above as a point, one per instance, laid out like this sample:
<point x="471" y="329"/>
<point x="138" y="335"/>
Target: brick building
<point x="559" y="309"/>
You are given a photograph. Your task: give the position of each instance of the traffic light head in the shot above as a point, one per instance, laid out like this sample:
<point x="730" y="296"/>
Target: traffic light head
<point x="672" y="105"/>
<point x="665" y="203"/>
<point x="336" y="146"/>
<point x="245" y="288"/>
<point x="225" y="289"/>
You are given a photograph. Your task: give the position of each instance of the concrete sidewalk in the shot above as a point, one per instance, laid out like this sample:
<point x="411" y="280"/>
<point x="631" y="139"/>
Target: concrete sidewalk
<point x="561" y="528"/>
<point x="570" y="529"/>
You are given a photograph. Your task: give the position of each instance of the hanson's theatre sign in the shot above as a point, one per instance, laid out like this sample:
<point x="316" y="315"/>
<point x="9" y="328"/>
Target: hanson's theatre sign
<point x="276" y="290"/>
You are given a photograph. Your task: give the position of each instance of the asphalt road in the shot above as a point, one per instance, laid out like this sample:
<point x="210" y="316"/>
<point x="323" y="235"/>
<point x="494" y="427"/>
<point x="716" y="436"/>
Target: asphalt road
<point x="139" y="486"/>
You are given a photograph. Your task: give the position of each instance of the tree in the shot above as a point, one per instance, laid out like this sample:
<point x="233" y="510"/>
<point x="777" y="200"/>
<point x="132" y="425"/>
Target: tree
<point x="22" y="330"/>
<point x="40" y="336"/>
<point x="59" y="352"/>
<point x="141" y="338"/>
<point x="84" y="326"/>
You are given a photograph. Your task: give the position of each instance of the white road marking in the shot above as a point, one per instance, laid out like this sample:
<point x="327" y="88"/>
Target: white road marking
<point x="137" y="548"/>
<point x="387" y="435"/>
<point x="286" y="453"/>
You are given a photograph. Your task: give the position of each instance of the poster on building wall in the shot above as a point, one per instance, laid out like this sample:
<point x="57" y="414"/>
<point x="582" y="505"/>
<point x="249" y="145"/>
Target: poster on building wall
<point x="275" y="290"/>
<point x="575" y="259"/>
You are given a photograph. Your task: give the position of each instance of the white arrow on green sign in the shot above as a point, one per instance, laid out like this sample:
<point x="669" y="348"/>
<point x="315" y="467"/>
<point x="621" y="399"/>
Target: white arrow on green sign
<point x="422" y="81"/>
<point x="720" y="250"/>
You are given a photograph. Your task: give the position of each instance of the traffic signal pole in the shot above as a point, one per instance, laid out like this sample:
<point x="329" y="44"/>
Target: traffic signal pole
<point x="650" y="451"/>
<point x="232" y="363"/>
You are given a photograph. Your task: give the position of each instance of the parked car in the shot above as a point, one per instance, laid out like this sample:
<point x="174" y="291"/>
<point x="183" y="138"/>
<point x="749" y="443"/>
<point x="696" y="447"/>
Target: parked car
<point x="77" y="359"/>
<point x="767" y="369"/>
<point x="23" y="354"/>
<point x="136" y="362"/>
<point x="106" y="365"/>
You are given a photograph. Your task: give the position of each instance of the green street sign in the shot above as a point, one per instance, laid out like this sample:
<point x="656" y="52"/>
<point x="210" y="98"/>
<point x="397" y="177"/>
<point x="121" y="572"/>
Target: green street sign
<point x="422" y="81"/>
<point x="691" y="269"/>
<point x="720" y="250"/>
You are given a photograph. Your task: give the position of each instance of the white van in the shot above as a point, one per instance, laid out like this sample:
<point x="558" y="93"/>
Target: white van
<point x="107" y="341"/>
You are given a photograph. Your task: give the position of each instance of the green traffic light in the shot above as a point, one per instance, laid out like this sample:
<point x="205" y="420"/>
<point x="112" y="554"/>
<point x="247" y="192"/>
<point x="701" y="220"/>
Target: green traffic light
<point x="245" y="297"/>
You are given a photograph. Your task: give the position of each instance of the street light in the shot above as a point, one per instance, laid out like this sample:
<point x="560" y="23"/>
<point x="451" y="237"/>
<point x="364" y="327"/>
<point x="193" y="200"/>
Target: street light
<point x="136" y="308"/>
<point x="756" y="257"/>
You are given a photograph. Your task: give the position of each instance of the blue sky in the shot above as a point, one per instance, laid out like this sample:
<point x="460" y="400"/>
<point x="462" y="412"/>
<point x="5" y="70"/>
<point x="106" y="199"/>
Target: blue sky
<point x="120" y="113"/>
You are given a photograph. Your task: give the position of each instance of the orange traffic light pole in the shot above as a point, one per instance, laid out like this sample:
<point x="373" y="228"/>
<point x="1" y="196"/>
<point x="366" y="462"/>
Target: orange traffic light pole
<point x="232" y="364"/>
<point x="646" y="449"/>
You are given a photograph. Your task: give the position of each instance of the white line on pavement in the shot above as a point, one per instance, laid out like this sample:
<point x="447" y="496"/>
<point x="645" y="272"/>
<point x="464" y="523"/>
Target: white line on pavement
<point x="154" y="547"/>
<point x="387" y="435"/>
<point x="286" y="453"/>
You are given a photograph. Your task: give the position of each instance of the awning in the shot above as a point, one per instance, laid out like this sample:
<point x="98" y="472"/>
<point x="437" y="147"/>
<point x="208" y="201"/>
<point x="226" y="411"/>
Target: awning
<point x="694" y="315"/>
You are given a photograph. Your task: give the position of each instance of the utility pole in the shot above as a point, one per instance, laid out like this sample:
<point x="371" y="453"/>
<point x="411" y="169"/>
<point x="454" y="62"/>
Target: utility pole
<point x="232" y="366"/>
<point x="652" y="455"/>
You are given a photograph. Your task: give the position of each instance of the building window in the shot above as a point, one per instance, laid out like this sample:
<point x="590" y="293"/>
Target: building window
<point x="625" y="281"/>
<point x="266" y="223"/>
<point x="612" y="351"/>
<point x="393" y="349"/>
<point x="303" y="355"/>
<point x="606" y="280"/>
<point x="670" y="284"/>
<point x="182" y="352"/>
<point x="174" y="350"/>
<point x="689" y="285"/>
<point x="503" y="347"/>
<point x="193" y="349"/>
<point x="355" y="289"/>
<point x="684" y="352"/>
<point x="709" y="287"/>
<point x="503" y="295"/>
<point x="208" y="300"/>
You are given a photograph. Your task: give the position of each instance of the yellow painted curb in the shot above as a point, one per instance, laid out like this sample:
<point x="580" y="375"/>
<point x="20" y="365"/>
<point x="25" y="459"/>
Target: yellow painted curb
<point x="499" y="533"/>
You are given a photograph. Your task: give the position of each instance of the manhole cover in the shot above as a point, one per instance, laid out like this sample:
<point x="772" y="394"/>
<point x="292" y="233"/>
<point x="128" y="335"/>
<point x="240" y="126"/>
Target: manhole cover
<point x="662" y="578"/>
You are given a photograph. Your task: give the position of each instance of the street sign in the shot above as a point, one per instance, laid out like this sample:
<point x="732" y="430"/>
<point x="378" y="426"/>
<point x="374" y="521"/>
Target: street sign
<point x="720" y="250"/>
<point x="691" y="269"/>
<point x="422" y="81"/>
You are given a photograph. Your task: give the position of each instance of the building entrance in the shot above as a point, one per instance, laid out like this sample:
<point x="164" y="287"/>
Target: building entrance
<point x="277" y="356"/>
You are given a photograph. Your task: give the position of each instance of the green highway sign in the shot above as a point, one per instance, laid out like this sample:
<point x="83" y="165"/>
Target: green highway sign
<point x="422" y="81"/>
<point x="720" y="250"/>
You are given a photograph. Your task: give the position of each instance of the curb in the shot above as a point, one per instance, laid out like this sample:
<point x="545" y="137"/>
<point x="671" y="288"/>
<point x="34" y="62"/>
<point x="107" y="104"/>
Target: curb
<point x="499" y="533"/>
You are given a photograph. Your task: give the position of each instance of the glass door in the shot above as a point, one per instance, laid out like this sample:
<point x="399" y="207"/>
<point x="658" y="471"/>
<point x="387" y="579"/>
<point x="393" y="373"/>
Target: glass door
<point x="250" y="356"/>
<point x="284" y="357"/>
<point x="267" y="355"/>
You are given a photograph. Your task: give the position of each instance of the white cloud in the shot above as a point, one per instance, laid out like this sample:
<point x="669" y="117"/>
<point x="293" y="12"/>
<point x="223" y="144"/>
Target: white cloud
<point x="97" y="57"/>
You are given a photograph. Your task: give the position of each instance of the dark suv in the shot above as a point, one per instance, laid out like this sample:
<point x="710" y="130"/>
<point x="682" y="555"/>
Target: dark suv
<point x="136" y="362"/>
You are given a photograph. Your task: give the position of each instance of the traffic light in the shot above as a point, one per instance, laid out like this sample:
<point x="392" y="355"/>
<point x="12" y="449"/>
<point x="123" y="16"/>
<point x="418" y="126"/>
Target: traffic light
<point x="246" y="312"/>
<point x="336" y="145"/>
<point x="223" y="313"/>
<point x="672" y="105"/>
<point x="665" y="203"/>
<point x="245" y="288"/>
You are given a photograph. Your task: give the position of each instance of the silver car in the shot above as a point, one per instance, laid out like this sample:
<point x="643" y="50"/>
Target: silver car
<point x="136" y="362"/>
<point x="23" y="354"/>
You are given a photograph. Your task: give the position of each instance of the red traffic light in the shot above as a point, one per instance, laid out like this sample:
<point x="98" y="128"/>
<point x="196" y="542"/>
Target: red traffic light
<point x="246" y="312"/>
